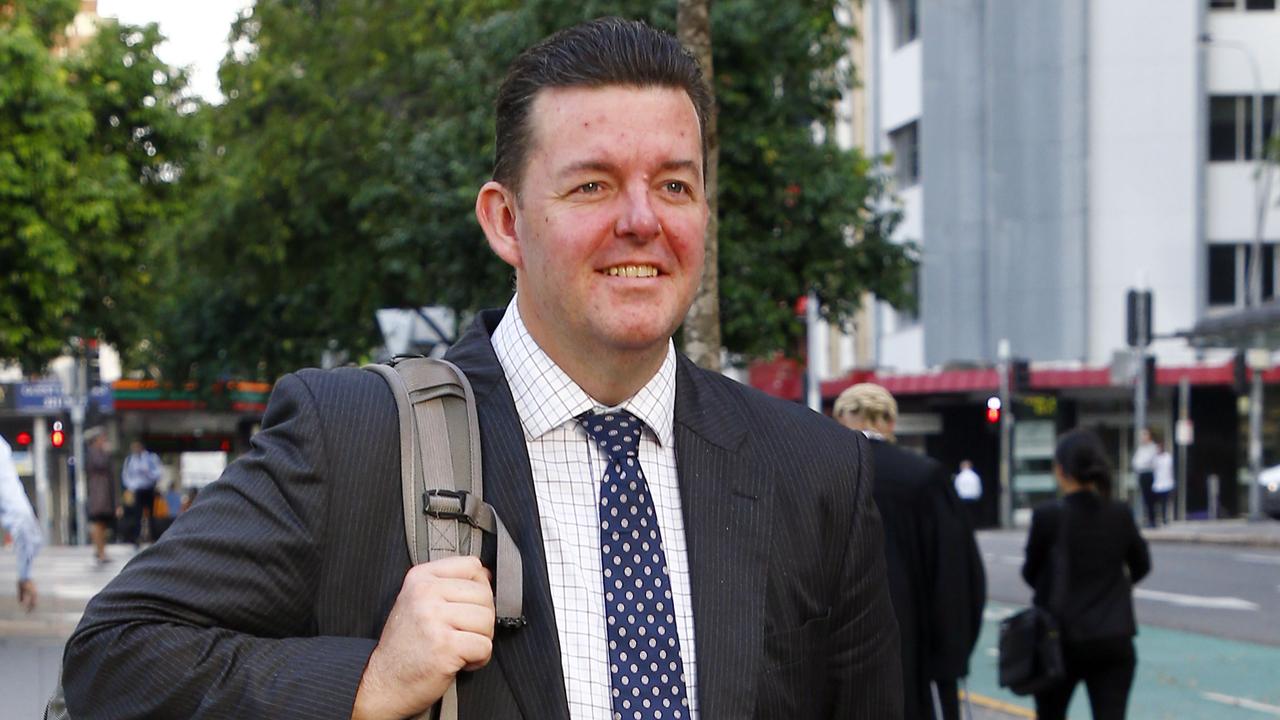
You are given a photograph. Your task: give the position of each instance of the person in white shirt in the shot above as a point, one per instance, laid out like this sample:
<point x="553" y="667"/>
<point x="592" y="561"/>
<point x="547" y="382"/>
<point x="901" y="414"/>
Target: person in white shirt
<point x="20" y="521"/>
<point x="968" y="484"/>
<point x="1162" y="485"/>
<point x="141" y="473"/>
<point x="1144" y="459"/>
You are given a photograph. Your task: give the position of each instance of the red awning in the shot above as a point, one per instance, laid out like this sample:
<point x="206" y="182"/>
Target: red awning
<point x="784" y="378"/>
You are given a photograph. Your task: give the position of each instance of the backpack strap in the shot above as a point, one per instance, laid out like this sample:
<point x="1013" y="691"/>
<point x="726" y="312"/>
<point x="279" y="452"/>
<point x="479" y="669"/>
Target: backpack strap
<point x="441" y="475"/>
<point x="442" y="485"/>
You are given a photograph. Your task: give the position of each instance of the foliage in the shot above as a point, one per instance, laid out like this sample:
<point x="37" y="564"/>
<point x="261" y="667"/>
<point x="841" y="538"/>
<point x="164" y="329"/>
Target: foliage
<point x="90" y="154"/>
<point x="341" y="175"/>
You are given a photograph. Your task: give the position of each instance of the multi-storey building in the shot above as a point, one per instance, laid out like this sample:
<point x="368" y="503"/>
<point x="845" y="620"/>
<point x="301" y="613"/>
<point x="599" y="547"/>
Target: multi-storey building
<point x="1050" y="156"/>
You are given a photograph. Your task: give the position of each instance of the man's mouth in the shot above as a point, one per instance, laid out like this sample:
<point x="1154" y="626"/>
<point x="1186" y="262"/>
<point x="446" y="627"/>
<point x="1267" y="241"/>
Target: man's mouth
<point x="632" y="271"/>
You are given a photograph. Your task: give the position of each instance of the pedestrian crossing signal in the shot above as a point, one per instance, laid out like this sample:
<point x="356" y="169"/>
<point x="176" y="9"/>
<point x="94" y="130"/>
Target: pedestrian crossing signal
<point x="24" y="439"/>
<point x="993" y="410"/>
<point x="58" y="437"/>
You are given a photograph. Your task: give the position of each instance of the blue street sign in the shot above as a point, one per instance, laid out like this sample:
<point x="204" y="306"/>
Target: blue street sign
<point x="45" y="397"/>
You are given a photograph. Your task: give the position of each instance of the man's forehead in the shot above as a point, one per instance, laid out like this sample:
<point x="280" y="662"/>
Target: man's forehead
<point x="566" y="100"/>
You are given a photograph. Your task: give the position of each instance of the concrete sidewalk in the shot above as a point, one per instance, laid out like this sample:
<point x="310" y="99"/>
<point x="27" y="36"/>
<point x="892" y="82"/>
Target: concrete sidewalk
<point x="1263" y="533"/>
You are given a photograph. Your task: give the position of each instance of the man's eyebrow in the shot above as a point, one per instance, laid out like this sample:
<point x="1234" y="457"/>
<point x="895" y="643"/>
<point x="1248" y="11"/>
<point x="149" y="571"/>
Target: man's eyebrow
<point x="688" y="165"/>
<point x="608" y="167"/>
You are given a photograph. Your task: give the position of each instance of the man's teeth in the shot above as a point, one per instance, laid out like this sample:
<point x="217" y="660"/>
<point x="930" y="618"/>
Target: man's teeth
<point x="633" y="271"/>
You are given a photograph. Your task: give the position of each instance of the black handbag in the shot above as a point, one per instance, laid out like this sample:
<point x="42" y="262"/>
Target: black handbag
<point x="1031" y="659"/>
<point x="1030" y="652"/>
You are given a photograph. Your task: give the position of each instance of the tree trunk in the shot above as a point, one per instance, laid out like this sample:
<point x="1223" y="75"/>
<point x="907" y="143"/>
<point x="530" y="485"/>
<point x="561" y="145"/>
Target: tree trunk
<point x="702" y="324"/>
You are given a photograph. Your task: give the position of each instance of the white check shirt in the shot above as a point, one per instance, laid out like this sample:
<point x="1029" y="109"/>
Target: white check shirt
<point x="567" y="470"/>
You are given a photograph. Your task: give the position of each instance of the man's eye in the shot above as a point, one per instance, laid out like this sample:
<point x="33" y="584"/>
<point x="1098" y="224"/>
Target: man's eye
<point x="675" y="186"/>
<point x="589" y="188"/>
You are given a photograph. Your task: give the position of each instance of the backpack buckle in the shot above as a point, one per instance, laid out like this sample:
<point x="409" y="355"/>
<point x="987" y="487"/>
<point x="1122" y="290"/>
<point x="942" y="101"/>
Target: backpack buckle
<point x="450" y="505"/>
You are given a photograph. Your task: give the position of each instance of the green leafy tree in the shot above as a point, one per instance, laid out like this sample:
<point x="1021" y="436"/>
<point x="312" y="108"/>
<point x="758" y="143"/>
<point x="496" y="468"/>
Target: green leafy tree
<point x="91" y="149"/>
<point x="342" y="172"/>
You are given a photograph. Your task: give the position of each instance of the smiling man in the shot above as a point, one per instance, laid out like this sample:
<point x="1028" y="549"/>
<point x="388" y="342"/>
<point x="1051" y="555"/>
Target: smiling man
<point x="691" y="548"/>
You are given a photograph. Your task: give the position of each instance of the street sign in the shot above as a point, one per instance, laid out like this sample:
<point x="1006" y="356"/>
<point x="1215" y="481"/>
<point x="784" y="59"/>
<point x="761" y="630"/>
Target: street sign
<point x="46" y="397"/>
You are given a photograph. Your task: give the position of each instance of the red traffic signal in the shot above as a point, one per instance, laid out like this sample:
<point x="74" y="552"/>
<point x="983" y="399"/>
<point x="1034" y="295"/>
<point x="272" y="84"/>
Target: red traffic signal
<point x="24" y="439"/>
<point x="993" y="410"/>
<point x="57" y="438"/>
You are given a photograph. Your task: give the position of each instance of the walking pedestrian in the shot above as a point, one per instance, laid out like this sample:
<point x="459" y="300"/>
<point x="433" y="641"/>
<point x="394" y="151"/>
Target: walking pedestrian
<point x="102" y="492"/>
<point x="19" y="520"/>
<point x="936" y="578"/>
<point x="1144" y="461"/>
<point x="140" y="475"/>
<point x="1104" y="554"/>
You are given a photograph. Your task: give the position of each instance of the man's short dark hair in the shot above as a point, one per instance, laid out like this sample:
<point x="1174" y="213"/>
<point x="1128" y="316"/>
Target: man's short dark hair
<point x="597" y="53"/>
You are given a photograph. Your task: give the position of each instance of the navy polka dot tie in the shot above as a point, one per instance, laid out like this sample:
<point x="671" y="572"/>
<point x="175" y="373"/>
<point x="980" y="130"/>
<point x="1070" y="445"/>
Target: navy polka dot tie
<point x="645" y="667"/>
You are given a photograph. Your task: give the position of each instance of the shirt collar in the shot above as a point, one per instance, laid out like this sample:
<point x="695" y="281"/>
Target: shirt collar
<point x="546" y="397"/>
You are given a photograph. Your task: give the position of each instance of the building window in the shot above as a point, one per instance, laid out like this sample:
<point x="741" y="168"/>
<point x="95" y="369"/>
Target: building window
<point x="1231" y="126"/>
<point x="1229" y="273"/>
<point x="906" y="21"/>
<point x="1259" y="4"/>
<point x="906" y="154"/>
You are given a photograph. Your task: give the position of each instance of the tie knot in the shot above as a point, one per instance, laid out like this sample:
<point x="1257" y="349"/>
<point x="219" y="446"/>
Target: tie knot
<point x="617" y="432"/>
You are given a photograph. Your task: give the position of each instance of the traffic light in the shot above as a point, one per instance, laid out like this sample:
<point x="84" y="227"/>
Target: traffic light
<point x="1019" y="376"/>
<point x="1138" y="312"/>
<point x="57" y="438"/>
<point x="993" y="410"/>
<point x="24" y="439"/>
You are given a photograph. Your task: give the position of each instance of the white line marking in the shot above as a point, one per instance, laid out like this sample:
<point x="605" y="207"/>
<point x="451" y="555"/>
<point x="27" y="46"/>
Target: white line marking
<point x="1242" y="702"/>
<point x="1255" y="558"/>
<point x="1198" y="601"/>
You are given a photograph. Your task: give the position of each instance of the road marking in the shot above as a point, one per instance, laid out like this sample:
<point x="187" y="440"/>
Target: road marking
<point x="994" y="704"/>
<point x="1011" y="559"/>
<point x="1255" y="558"/>
<point x="1245" y="703"/>
<point x="1197" y="601"/>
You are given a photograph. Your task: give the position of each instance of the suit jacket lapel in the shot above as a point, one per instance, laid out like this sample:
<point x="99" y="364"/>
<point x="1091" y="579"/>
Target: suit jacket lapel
<point x="530" y="656"/>
<point x="726" y="504"/>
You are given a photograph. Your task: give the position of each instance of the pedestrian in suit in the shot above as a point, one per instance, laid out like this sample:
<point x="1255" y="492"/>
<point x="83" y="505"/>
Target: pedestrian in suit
<point x="1105" y="555"/>
<point x="936" y="578"/>
<point x="286" y="592"/>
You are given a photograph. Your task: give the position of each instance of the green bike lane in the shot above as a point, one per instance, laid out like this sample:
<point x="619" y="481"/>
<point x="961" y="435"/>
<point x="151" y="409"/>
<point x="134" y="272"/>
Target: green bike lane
<point x="1181" y="675"/>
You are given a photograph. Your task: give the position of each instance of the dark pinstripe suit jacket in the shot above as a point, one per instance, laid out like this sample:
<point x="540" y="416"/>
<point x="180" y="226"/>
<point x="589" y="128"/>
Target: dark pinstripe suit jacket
<point x="266" y="598"/>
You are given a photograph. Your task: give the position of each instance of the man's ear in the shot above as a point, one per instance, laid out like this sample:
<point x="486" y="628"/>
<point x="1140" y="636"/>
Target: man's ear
<point x="496" y="211"/>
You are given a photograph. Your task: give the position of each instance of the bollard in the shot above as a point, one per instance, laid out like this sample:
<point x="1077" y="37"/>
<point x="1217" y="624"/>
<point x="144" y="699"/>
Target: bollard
<point x="1213" y="497"/>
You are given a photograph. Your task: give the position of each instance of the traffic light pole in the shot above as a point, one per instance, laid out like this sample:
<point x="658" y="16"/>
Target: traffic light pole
<point x="1006" y="428"/>
<point x="78" y="403"/>
<point x="1139" y="392"/>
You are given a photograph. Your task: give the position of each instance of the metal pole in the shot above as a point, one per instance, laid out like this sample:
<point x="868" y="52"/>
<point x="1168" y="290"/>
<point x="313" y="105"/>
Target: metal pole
<point x="1006" y="428"/>
<point x="77" y="440"/>
<point x="1184" y="416"/>
<point x="1255" y="444"/>
<point x="1139" y="391"/>
<point x="40" y="459"/>
<point x="812" y="320"/>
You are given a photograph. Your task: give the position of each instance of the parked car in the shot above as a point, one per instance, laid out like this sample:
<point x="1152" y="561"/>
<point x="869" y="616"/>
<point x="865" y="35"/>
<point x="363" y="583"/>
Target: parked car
<point x="1269" y="479"/>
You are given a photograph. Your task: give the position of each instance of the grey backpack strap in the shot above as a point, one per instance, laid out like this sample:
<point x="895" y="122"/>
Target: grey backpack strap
<point x="442" y="477"/>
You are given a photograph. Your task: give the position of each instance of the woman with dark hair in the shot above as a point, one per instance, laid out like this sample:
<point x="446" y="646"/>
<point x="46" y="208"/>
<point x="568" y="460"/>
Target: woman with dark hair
<point x="1105" y="555"/>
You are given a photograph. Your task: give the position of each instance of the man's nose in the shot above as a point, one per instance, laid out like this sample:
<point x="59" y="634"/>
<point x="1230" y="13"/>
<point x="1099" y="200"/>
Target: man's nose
<point x="638" y="218"/>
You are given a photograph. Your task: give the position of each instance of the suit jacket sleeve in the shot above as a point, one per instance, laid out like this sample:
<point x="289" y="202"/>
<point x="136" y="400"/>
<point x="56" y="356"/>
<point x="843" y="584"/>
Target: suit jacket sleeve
<point x="216" y="619"/>
<point x="866" y="663"/>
